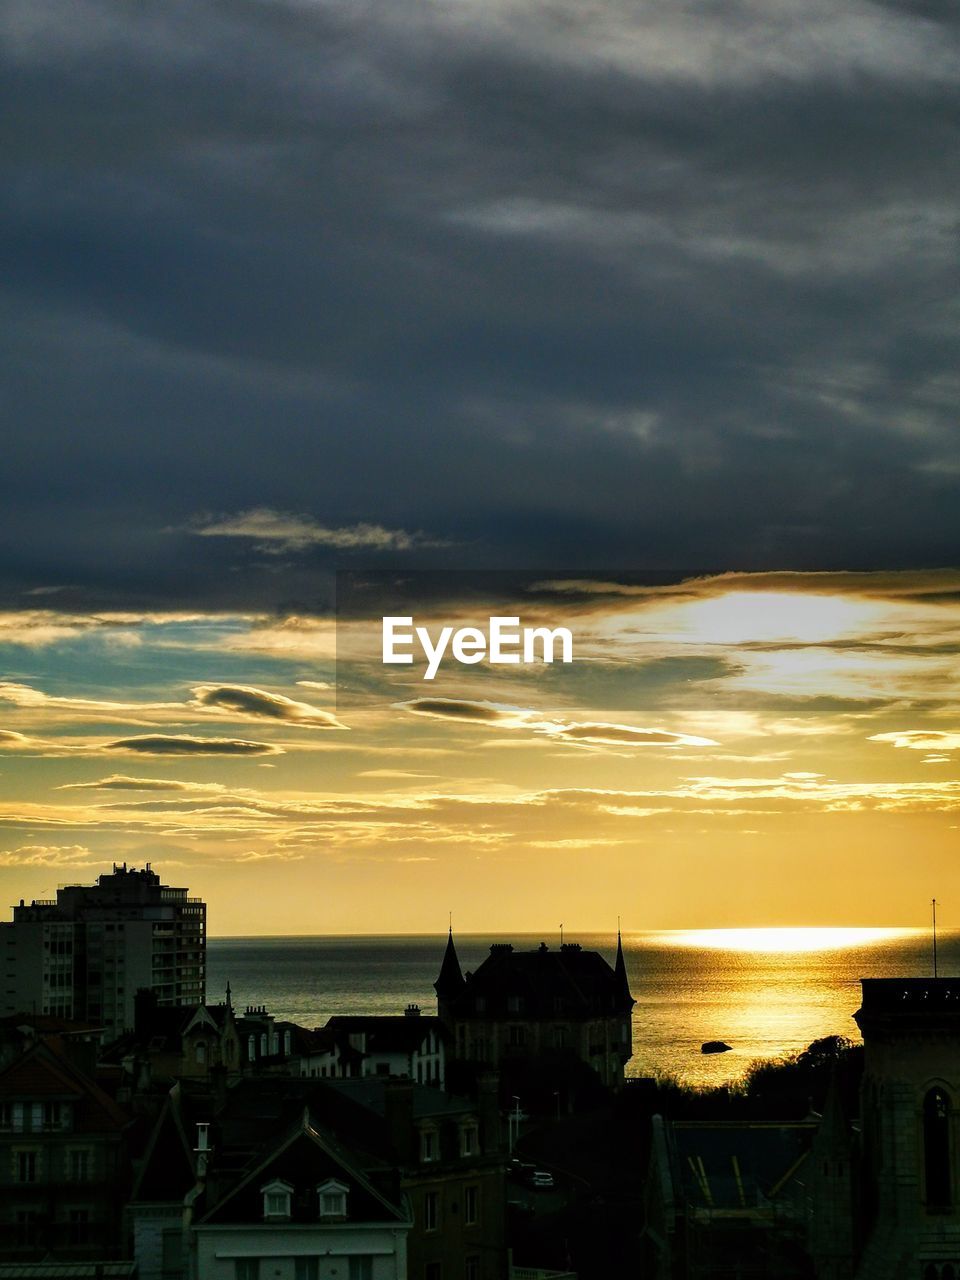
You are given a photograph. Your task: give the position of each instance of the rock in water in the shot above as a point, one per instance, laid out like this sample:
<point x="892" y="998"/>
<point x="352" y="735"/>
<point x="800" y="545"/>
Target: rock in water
<point x="715" y="1046"/>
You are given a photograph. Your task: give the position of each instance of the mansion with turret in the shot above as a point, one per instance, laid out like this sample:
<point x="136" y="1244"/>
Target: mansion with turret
<point x="540" y="1005"/>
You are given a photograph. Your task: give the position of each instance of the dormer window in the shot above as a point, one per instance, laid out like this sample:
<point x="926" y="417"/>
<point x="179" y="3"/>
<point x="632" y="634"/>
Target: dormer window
<point x="276" y="1200"/>
<point x="332" y="1199"/>
<point x="514" y="1004"/>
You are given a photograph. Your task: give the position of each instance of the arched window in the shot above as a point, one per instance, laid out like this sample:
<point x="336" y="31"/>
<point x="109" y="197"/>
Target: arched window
<point x="936" y="1148"/>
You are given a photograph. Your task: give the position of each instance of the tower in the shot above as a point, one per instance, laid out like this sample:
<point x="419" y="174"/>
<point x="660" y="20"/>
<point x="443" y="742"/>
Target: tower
<point x="910" y="1098"/>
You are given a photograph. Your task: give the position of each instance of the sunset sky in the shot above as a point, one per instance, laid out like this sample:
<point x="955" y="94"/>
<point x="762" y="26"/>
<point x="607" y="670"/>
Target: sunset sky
<point x="653" y="303"/>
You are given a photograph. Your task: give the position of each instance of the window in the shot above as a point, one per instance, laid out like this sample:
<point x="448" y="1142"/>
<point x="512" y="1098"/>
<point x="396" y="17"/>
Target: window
<point x="559" y="1037"/>
<point x="361" y="1267"/>
<point x="428" y="1145"/>
<point x="246" y="1269"/>
<point x="11" y="1116"/>
<point x="471" y="1206"/>
<point x="79" y="1166"/>
<point x="276" y="1199"/>
<point x="517" y="1037"/>
<point x="514" y="1004"/>
<point x="201" y="1053"/>
<point x="936" y="1149"/>
<point x="26" y="1166"/>
<point x="432" y="1271"/>
<point x="79" y="1226"/>
<point x="469" y="1140"/>
<point x="431" y="1211"/>
<point x="28" y="1228"/>
<point x="306" y="1269"/>
<point x="332" y="1199"/>
<point x="471" y="1267"/>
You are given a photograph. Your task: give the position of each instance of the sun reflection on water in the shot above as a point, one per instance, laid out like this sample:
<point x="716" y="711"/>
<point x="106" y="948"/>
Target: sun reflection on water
<point x="784" y="940"/>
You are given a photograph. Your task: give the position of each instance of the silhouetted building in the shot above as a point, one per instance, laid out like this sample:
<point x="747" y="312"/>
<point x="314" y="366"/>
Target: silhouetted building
<point x="528" y="1006"/>
<point x="409" y="1045"/>
<point x="909" y="1119"/>
<point x="366" y="1179"/>
<point x="175" y="1042"/>
<point x="825" y="1198"/>
<point x="63" y="1171"/>
<point x="87" y="952"/>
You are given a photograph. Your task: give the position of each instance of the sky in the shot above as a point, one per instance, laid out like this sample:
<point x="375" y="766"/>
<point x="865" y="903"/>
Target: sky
<point x="654" y="303"/>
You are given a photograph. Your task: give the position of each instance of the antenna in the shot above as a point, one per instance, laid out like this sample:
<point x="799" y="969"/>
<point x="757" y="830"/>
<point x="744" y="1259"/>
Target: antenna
<point x="933" y="903"/>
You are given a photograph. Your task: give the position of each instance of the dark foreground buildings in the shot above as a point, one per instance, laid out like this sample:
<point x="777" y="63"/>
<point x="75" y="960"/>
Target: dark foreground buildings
<point x="827" y="1197"/>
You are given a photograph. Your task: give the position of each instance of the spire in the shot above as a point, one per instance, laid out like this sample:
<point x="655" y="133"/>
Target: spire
<point x="620" y="973"/>
<point x="229" y="996"/>
<point x="450" y="982"/>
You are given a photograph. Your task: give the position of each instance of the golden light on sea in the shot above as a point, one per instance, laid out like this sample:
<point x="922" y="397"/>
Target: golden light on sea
<point x="778" y="940"/>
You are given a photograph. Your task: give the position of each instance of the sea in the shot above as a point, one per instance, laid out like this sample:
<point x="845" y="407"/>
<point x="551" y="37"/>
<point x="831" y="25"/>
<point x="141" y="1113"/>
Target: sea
<point x="765" y="993"/>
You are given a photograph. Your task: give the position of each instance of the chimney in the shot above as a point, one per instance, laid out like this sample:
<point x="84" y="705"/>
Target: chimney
<point x="412" y="1011"/>
<point x="398" y="1113"/>
<point x="144" y="1007"/>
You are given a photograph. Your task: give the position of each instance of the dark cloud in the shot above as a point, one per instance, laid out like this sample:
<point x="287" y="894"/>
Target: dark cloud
<point x="559" y="286"/>
<point x="260" y="705"/>
<point x="625" y="735"/>
<point x="597" y="733"/>
<point x="464" y="709"/>
<point x="159" y="744"/>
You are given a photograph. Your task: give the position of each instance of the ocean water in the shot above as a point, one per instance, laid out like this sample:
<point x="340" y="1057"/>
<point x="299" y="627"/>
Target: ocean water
<point x="688" y="989"/>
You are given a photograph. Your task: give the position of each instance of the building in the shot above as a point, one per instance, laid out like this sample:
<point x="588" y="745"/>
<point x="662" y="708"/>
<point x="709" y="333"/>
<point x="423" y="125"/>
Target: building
<point x="728" y="1198"/>
<point x="910" y="1121"/>
<point x="85" y="954"/>
<point x="410" y="1045"/>
<point x="63" y="1169"/>
<point x="534" y="1006"/>
<point x="450" y="1158"/>
<point x="374" y="1179"/>
<point x="827" y="1198"/>
<point x="175" y="1042"/>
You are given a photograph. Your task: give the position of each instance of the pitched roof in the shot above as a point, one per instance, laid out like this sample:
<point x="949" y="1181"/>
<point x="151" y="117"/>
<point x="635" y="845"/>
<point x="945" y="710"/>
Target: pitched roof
<point x="737" y="1165"/>
<point x="370" y="1092"/>
<point x="385" y="1033"/>
<point x="450" y="981"/>
<point x="304" y="1158"/>
<point x="42" y="1073"/>
<point x="568" y="982"/>
<point x="167" y="1168"/>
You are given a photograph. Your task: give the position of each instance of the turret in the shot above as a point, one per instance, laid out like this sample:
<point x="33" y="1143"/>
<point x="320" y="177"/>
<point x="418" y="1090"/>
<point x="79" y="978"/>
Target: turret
<point x="450" y="982"/>
<point x="620" y="973"/>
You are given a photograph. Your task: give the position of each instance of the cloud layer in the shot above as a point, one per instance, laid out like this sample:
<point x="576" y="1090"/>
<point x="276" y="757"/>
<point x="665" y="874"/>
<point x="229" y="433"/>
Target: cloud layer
<point x="623" y="286"/>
